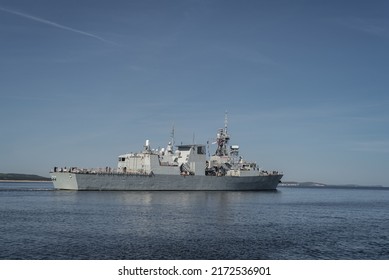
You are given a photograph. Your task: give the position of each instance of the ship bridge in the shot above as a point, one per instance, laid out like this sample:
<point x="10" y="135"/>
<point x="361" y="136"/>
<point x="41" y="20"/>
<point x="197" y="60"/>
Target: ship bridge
<point x="186" y="158"/>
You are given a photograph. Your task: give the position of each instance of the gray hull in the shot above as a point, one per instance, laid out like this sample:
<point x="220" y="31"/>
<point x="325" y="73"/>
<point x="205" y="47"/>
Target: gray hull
<point x="107" y="182"/>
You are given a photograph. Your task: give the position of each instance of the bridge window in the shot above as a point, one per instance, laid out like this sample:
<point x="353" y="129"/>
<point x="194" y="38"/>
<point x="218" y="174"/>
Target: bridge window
<point x="201" y="150"/>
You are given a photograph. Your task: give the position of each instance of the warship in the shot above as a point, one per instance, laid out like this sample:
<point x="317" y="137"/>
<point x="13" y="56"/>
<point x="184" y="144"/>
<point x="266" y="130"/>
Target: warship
<point x="174" y="168"/>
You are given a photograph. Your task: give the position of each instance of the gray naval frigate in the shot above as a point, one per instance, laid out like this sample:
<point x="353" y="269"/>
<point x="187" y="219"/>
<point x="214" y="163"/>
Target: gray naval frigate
<point x="176" y="168"/>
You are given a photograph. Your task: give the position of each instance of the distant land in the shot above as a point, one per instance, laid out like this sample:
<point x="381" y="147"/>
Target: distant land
<point x="301" y="184"/>
<point x="315" y="184"/>
<point x="21" y="177"/>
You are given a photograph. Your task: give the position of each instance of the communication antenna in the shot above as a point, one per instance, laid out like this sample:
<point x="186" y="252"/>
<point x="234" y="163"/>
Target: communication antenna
<point x="225" y="121"/>
<point x="172" y="137"/>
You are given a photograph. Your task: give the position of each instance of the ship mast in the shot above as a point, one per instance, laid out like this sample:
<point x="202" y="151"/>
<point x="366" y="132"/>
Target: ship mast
<point x="222" y="139"/>
<point x="170" y="146"/>
<point x="172" y="136"/>
<point x="225" y="122"/>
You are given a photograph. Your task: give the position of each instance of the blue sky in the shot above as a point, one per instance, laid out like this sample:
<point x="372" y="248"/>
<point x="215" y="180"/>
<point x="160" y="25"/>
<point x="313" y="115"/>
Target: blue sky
<point x="305" y="83"/>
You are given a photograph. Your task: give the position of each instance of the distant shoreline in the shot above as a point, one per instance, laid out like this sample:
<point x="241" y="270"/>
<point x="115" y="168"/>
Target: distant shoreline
<point x="18" y="177"/>
<point x="322" y="185"/>
<point x="333" y="187"/>
<point x="25" y="181"/>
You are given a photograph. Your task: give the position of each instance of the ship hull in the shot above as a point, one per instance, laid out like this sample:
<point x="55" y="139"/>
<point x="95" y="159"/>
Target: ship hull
<point x="127" y="182"/>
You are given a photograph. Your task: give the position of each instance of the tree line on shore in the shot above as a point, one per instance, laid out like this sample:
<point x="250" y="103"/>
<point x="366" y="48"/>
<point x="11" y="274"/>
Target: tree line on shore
<point x="22" y="177"/>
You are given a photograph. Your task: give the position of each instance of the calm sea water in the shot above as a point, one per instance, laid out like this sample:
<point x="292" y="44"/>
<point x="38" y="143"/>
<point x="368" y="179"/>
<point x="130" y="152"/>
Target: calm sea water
<point x="37" y="222"/>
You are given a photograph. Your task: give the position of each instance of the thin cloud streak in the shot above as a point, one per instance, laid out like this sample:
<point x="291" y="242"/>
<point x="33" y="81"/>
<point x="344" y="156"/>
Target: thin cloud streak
<point x="57" y="25"/>
<point x="374" y="27"/>
<point x="374" y="146"/>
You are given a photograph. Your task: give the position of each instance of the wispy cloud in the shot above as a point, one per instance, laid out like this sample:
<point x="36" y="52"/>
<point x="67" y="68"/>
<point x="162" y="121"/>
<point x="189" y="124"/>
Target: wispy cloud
<point x="371" y="26"/>
<point x="373" y="146"/>
<point x="56" y="25"/>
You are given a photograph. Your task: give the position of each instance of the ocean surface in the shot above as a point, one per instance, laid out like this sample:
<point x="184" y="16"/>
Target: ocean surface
<point x="37" y="222"/>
